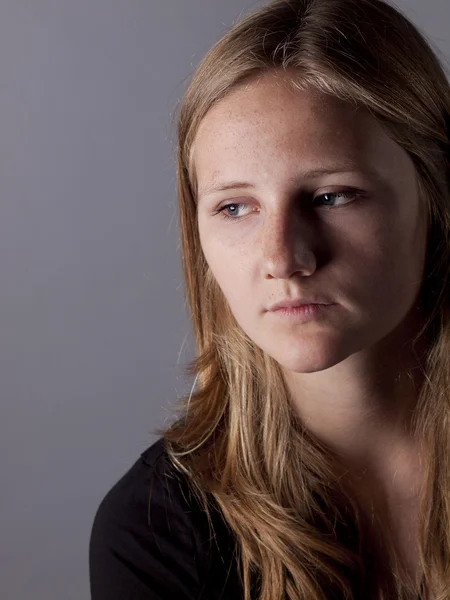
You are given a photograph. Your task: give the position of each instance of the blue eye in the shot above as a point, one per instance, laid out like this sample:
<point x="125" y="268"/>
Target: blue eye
<point x="234" y="205"/>
<point x="328" y="194"/>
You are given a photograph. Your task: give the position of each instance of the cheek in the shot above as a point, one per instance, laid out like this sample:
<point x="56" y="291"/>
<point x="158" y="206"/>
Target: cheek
<point x="232" y="277"/>
<point x="232" y="271"/>
<point x="385" y="271"/>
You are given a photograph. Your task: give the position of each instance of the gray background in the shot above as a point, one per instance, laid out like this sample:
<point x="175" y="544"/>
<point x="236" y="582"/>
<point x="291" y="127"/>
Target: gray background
<point x="94" y="329"/>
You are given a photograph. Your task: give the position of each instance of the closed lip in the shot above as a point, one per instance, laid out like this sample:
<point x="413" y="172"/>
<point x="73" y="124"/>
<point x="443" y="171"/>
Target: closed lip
<point x="295" y="304"/>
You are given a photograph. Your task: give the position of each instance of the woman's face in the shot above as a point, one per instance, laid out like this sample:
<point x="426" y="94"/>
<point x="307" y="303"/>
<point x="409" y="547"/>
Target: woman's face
<point x="323" y="206"/>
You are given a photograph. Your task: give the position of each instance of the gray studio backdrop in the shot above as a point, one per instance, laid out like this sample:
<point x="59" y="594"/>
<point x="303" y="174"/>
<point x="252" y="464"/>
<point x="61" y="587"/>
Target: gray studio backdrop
<point x="94" y="333"/>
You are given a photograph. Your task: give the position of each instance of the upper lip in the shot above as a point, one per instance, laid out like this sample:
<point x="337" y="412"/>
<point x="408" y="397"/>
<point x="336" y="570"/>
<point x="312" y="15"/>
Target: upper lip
<point x="294" y="303"/>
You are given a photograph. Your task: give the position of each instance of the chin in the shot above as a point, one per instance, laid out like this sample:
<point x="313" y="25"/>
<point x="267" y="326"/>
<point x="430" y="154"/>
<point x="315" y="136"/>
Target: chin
<point x="304" y="366"/>
<point x="308" y="358"/>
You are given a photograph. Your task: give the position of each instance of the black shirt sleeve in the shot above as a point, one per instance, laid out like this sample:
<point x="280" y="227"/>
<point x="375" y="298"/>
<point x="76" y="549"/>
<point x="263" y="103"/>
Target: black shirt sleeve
<point x="142" y="544"/>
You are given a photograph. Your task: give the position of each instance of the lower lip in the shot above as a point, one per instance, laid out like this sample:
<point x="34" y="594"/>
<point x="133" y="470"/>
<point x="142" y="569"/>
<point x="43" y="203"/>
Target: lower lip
<point x="302" y="314"/>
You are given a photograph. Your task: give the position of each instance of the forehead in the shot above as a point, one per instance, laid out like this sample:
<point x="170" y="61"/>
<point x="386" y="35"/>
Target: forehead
<point x="265" y="119"/>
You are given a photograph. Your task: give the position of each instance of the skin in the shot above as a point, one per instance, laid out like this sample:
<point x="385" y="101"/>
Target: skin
<point x="345" y="369"/>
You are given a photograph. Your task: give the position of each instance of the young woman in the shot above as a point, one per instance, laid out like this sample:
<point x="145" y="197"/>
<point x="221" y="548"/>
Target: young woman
<point x="312" y="460"/>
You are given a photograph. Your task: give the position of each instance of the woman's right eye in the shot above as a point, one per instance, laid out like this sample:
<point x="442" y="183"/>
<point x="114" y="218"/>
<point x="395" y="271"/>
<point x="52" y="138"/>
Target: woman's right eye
<point x="228" y="207"/>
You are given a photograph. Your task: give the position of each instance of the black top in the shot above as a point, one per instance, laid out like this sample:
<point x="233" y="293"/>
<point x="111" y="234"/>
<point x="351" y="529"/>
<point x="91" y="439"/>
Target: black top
<point x="151" y="539"/>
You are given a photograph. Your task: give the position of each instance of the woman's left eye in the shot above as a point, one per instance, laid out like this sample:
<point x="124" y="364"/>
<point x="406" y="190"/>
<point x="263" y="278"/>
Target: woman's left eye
<point x="229" y="211"/>
<point x="350" y="195"/>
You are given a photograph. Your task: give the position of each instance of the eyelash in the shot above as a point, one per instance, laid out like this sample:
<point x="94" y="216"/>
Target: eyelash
<point x="240" y="204"/>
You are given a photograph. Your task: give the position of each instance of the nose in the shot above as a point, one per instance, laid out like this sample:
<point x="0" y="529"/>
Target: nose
<point x="287" y="243"/>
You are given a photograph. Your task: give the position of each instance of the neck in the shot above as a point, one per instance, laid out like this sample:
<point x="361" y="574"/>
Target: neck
<point x="363" y="406"/>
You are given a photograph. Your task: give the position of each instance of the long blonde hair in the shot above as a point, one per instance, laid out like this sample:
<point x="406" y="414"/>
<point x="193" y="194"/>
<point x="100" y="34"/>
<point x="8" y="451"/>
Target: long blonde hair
<point x="300" y="533"/>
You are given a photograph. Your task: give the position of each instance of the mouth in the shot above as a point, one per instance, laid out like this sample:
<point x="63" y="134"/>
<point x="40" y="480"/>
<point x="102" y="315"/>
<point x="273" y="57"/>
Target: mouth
<point x="303" y="312"/>
<point x="298" y="304"/>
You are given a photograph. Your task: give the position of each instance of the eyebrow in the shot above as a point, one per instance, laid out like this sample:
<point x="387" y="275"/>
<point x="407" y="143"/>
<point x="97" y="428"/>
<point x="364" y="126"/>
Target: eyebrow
<point x="235" y="185"/>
